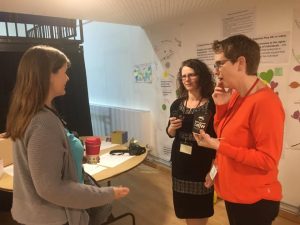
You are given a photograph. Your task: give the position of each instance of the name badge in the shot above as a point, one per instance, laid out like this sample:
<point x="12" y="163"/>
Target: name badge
<point x="187" y="149"/>
<point x="213" y="172"/>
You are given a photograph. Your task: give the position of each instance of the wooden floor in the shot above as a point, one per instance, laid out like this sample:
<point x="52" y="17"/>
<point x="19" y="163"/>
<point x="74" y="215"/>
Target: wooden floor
<point x="150" y="200"/>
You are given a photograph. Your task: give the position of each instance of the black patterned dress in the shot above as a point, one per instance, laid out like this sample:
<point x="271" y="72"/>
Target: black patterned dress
<point x="191" y="199"/>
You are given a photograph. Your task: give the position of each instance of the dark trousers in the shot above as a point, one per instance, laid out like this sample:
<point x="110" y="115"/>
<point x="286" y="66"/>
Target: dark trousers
<point x="262" y="212"/>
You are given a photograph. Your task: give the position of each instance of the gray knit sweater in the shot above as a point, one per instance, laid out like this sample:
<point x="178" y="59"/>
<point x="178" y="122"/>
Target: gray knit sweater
<point x="46" y="191"/>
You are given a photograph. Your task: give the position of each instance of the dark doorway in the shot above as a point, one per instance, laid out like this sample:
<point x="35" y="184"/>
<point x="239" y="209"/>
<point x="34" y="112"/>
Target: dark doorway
<point x="23" y="31"/>
<point x="74" y="106"/>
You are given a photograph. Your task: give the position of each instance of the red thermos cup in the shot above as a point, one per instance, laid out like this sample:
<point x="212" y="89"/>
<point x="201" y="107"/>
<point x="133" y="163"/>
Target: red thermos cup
<point x="92" y="148"/>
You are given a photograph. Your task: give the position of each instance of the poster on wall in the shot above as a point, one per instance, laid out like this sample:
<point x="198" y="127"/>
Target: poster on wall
<point x="143" y="72"/>
<point x="205" y="53"/>
<point x="293" y="90"/>
<point x="275" y="70"/>
<point x="239" y="22"/>
<point x="167" y="50"/>
<point x="166" y="85"/>
<point x="274" y="48"/>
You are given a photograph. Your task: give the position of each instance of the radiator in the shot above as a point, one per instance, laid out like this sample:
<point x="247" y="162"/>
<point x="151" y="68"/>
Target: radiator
<point x="106" y="119"/>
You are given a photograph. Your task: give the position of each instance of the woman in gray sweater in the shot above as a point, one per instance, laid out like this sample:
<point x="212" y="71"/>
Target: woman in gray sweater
<point x="46" y="186"/>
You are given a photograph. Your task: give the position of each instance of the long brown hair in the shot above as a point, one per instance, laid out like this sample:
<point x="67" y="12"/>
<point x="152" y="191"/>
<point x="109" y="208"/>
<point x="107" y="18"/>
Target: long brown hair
<point x="206" y="80"/>
<point x="32" y="86"/>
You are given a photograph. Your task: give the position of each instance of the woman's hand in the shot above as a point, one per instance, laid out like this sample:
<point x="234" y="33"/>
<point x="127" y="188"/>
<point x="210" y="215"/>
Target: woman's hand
<point x="208" y="181"/>
<point x="220" y="95"/>
<point x="203" y="139"/>
<point x="174" y="125"/>
<point x="120" y="192"/>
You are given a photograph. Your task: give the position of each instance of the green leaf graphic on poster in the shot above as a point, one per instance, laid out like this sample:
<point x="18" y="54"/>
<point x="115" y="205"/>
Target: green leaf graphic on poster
<point x="278" y="71"/>
<point x="164" y="107"/>
<point x="267" y="76"/>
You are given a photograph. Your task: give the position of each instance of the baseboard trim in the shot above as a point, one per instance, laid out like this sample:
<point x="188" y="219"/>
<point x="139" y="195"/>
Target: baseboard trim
<point x="289" y="216"/>
<point x="157" y="165"/>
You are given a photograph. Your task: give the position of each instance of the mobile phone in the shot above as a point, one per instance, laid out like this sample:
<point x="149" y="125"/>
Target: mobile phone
<point x="178" y="114"/>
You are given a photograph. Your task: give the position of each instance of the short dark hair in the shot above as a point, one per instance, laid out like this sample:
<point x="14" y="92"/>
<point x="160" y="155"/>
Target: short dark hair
<point x="206" y="79"/>
<point x="240" y="45"/>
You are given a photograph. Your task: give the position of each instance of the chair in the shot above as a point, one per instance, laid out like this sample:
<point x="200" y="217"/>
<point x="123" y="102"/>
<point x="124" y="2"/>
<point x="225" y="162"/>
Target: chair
<point x="88" y="179"/>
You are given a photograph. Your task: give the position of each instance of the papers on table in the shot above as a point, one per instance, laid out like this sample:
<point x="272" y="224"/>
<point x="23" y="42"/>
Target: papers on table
<point x="93" y="168"/>
<point x="109" y="160"/>
<point x="106" y="161"/>
<point x="9" y="170"/>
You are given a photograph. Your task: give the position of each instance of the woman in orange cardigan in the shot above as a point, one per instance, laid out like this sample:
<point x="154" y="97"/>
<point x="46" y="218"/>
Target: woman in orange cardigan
<point x="250" y="137"/>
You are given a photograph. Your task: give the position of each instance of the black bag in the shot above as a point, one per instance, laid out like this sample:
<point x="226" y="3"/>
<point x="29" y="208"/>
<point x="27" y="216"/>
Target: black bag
<point x="133" y="149"/>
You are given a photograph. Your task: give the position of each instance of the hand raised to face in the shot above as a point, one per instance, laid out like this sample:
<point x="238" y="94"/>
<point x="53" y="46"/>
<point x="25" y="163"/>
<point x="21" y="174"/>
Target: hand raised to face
<point x="220" y="95"/>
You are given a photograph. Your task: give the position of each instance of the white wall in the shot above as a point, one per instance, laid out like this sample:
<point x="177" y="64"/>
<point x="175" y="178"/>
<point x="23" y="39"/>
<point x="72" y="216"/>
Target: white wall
<point x="111" y="51"/>
<point x="271" y="17"/>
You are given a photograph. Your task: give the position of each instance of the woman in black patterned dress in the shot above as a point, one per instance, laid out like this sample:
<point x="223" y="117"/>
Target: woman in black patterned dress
<point x="191" y="163"/>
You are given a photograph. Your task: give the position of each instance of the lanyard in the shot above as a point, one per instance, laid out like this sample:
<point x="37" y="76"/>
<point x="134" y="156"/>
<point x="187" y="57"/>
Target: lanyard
<point x="230" y="112"/>
<point x="185" y="106"/>
<point x="56" y="114"/>
<point x="185" y="110"/>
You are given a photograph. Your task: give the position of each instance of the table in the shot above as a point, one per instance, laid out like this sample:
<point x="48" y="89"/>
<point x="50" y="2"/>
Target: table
<point x="110" y="172"/>
<point x="6" y="181"/>
<point x="6" y="150"/>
